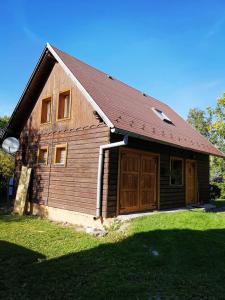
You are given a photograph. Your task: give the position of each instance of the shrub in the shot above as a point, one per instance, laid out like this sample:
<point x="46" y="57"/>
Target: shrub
<point x="222" y="190"/>
<point x="215" y="190"/>
<point x="7" y="163"/>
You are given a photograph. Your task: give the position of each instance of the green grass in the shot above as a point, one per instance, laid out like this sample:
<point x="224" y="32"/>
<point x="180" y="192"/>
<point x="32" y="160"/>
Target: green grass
<point x="42" y="260"/>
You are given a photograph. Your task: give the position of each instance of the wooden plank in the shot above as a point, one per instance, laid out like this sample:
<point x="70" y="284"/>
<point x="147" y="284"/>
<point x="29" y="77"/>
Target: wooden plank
<point x="129" y="182"/>
<point x="148" y="182"/>
<point x="21" y="195"/>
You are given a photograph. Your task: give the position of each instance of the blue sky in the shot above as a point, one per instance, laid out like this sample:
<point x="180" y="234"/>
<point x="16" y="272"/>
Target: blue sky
<point x="172" y="50"/>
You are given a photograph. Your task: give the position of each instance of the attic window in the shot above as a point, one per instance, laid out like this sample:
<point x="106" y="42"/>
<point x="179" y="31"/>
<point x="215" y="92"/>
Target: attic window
<point x="162" y="115"/>
<point x="46" y="109"/>
<point x="64" y="104"/>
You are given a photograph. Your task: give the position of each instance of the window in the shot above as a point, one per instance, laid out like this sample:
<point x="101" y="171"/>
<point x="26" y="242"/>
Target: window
<point x="162" y="115"/>
<point x="176" y="171"/>
<point x="64" y="104"/>
<point x="46" y="110"/>
<point x="43" y="155"/>
<point x="60" y="154"/>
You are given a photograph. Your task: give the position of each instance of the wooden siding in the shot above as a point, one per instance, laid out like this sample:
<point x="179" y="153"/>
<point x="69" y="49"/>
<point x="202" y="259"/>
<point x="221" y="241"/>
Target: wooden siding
<point x="72" y="187"/>
<point x="81" y="111"/>
<point x="170" y="196"/>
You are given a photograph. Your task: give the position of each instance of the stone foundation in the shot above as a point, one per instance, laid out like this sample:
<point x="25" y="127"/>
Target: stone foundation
<point x="72" y="217"/>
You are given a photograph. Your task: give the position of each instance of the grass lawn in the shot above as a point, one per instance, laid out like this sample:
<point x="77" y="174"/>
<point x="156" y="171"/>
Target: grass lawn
<point x="43" y="260"/>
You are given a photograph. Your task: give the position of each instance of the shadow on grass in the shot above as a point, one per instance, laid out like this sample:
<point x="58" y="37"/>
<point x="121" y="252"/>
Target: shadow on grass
<point x="11" y="218"/>
<point x="190" y="265"/>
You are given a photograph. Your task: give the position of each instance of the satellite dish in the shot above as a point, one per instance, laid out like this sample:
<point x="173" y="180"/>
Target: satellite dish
<point x="10" y="145"/>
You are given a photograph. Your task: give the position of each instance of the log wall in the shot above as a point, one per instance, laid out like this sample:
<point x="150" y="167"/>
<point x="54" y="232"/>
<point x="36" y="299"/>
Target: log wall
<point x="170" y="196"/>
<point x="71" y="187"/>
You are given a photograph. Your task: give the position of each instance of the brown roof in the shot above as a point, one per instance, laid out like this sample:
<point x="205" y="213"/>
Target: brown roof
<point x="131" y="111"/>
<point x="121" y="106"/>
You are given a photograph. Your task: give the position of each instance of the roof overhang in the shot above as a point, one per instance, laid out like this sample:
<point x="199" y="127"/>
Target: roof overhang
<point x="142" y="137"/>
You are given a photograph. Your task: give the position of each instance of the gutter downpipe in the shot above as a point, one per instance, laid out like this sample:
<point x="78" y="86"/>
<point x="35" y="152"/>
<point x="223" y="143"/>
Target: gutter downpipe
<point x="102" y="149"/>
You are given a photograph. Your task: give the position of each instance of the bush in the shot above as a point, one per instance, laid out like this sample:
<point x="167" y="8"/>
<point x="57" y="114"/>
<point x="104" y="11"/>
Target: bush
<point x="222" y="190"/>
<point x="215" y="190"/>
<point x="7" y="163"/>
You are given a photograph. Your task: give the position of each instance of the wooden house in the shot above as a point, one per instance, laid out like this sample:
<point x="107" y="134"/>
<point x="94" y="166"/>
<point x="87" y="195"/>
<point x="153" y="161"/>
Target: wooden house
<point x="99" y="148"/>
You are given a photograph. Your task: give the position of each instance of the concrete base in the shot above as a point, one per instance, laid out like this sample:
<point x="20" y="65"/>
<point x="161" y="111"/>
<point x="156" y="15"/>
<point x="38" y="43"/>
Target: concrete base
<point x="144" y="214"/>
<point x="68" y="216"/>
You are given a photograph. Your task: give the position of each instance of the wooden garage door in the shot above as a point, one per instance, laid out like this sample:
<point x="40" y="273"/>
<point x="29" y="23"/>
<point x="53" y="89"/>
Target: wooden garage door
<point x="138" y="181"/>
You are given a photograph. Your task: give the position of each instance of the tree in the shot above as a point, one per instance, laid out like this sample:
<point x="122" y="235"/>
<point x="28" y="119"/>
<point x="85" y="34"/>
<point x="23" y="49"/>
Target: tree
<point x="211" y="124"/>
<point x="7" y="161"/>
<point x="198" y="119"/>
<point x="217" y="135"/>
<point x="6" y="166"/>
<point x="4" y="121"/>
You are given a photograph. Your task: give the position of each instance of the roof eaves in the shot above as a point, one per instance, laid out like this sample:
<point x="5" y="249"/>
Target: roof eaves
<point x="81" y="88"/>
<point x="222" y="154"/>
<point x="142" y="137"/>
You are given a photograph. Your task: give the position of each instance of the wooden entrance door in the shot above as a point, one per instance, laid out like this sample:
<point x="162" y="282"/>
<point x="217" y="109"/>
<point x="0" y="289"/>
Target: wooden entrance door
<point x="191" y="182"/>
<point x="138" y="181"/>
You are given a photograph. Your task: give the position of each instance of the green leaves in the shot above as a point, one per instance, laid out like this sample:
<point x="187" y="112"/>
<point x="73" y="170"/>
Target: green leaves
<point x="211" y="124"/>
<point x="4" y="121"/>
<point x="7" y="162"/>
<point x="199" y="119"/>
<point x="6" y="166"/>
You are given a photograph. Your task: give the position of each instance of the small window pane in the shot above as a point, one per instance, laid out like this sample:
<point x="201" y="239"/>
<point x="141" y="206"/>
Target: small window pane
<point x="176" y="177"/>
<point x="60" y="155"/>
<point x="43" y="156"/>
<point x="64" y="105"/>
<point x="67" y="106"/>
<point x="46" y="111"/>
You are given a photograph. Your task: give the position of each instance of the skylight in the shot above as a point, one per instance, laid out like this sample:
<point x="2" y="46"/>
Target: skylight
<point x="162" y="115"/>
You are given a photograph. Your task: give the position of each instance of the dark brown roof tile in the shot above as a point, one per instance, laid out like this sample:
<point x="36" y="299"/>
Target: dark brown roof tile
<point x="128" y="110"/>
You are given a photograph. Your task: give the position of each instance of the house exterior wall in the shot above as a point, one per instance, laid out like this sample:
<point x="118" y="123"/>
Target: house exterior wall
<point x="71" y="187"/>
<point x="81" y="111"/>
<point x="170" y="196"/>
